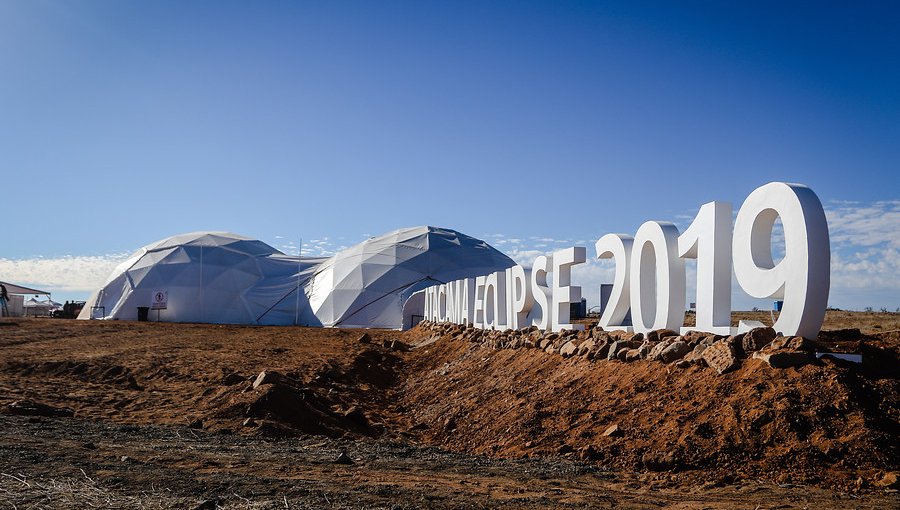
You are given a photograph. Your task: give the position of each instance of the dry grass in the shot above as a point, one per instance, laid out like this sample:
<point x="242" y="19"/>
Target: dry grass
<point x="20" y="491"/>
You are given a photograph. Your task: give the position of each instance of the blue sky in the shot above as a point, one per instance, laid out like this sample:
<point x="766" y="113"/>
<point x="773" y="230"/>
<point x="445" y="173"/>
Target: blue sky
<point x="127" y="122"/>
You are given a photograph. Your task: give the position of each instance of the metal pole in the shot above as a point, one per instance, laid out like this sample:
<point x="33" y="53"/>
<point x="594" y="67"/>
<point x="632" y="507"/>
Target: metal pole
<point x="201" y="282"/>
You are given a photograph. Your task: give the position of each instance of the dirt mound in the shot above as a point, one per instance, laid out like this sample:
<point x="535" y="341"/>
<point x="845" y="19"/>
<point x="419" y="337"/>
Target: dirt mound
<point x="279" y="405"/>
<point x="95" y="372"/>
<point x="339" y="398"/>
<point x="827" y="422"/>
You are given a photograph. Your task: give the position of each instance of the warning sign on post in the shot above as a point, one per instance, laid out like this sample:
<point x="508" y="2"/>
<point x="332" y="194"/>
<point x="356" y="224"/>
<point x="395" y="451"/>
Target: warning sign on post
<point x="160" y="300"/>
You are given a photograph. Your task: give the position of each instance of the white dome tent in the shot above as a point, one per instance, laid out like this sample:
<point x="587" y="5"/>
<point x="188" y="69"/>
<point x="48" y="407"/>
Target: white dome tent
<point x="366" y="285"/>
<point x="212" y="277"/>
<point x="218" y="277"/>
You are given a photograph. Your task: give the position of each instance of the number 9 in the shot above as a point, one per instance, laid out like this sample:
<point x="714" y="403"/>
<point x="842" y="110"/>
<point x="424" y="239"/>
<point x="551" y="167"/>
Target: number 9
<point x="802" y="277"/>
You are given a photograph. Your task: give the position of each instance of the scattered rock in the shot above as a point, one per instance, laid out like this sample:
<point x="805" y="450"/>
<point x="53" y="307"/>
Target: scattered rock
<point x="757" y="338"/>
<point x="196" y="424"/>
<point x="614" y="349"/>
<point x="624" y="336"/>
<point x="343" y="458"/>
<point x="364" y="339"/>
<point x="599" y="335"/>
<point x="564" y="449"/>
<point x="634" y="343"/>
<point x="632" y="355"/>
<point x="601" y="352"/>
<point x="783" y="359"/>
<point x="397" y="345"/>
<point x="658" y="347"/>
<point x="889" y="481"/>
<point x="682" y="363"/>
<point x="267" y="377"/>
<point x="249" y="422"/>
<point x="568" y="349"/>
<point x="586" y="347"/>
<point x="791" y="343"/>
<point x="694" y="337"/>
<point x="675" y="351"/>
<point x="696" y="355"/>
<point x="612" y="431"/>
<point x="660" y="334"/>
<point x="711" y="339"/>
<point x="644" y="349"/>
<point x="737" y="343"/>
<point x="721" y="356"/>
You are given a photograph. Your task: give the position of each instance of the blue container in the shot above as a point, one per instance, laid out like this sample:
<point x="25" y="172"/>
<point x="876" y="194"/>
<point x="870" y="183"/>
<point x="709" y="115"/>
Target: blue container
<point x="778" y="305"/>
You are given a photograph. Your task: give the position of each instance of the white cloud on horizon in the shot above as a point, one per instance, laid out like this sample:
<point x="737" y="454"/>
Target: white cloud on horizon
<point x="865" y="247"/>
<point x="67" y="274"/>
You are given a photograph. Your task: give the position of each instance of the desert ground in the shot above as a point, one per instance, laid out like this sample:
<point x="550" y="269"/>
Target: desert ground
<point x="109" y="414"/>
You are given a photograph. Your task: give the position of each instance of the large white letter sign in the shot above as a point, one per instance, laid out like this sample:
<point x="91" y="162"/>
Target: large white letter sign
<point x="657" y="278"/>
<point x="541" y="292"/>
<point x="708" y="240"/>
<point x="803" y="277"/>
<point x="452" y="315"/>
<point x="520" y="296"/>
<point x="428" y="292"/>
<point x="478" y="322"/>
<point x="442" y="302"/>
<point x="650" y="277"/>
<point x="467" y="297"/>
<point x="564" y="292"/>
<point x="617" y="247"/>
<point x="495" y="300"/>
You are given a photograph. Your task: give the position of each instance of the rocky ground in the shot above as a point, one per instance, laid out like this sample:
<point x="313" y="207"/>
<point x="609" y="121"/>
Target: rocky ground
<point x="134" y="415"/>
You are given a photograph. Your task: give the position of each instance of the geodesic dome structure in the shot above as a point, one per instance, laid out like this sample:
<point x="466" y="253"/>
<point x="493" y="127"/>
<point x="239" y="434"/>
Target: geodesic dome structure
<point x="214" y="277"/>
<point x="366" y="285"/>
<point x="218" y="277"/>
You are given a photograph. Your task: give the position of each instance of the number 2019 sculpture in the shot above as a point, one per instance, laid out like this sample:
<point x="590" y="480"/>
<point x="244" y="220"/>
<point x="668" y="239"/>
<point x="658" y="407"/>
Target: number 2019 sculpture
<point x="650" y="273"/>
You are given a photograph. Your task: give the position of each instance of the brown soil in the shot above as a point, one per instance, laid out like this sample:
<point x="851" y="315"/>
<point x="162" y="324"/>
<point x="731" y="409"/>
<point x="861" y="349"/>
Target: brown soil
<point x="177" y="400"/>
<point x="867" y="322"/>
